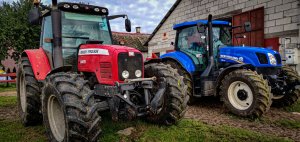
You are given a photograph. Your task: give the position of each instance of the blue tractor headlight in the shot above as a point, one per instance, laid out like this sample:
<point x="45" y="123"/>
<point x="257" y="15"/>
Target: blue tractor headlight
<point x="272" y="59"/>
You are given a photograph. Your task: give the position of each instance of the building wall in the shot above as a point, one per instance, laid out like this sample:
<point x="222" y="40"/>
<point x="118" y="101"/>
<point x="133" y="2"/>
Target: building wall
<point x="281" y="19"/>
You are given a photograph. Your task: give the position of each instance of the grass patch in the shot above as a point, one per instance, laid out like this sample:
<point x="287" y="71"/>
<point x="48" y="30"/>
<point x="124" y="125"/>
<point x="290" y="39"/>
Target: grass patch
<point x="294" y="108"/>
<point x="7" y="101"/>
<point x="186" y="130"/>
<point x="14" y="131"/>
<point x="288" y="123"/>
<point x="4" y="88"/>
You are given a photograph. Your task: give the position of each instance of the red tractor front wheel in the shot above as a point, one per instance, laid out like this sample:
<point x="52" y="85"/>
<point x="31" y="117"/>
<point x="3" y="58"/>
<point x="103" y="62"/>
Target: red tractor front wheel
<point x="176" y="98"/>
<point x="69" y="109"/>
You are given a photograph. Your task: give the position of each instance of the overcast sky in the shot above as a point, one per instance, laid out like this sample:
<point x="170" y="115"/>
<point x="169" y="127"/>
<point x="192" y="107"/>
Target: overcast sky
<point x="144" y="13"/>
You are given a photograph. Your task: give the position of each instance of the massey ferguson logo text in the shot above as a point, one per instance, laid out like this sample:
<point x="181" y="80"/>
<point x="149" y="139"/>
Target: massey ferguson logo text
<point x="93" y="52"/>
<point x="89" y="51"/>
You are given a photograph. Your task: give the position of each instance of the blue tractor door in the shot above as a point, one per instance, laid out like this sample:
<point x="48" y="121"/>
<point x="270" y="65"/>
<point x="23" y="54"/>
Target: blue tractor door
<point x="193" y="44"/>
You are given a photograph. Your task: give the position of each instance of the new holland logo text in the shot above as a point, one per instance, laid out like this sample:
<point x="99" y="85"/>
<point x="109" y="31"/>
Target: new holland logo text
<point x="237" y="59"/>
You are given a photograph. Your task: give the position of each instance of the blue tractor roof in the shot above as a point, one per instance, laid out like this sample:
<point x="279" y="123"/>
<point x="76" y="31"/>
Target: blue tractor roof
<point x="191" y="23"/>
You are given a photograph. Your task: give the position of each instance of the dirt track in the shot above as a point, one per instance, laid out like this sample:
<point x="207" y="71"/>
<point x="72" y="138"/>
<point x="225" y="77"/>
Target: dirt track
<point x="211" y="111"/>
<point x="8" y="93"/>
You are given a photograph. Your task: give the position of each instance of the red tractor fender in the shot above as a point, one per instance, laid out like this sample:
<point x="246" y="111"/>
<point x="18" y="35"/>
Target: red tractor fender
<point x="39" y="62"/>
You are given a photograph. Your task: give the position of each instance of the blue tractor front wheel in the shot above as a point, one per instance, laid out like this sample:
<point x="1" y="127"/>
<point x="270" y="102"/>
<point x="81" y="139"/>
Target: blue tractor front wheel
<point x="246" y="93"/>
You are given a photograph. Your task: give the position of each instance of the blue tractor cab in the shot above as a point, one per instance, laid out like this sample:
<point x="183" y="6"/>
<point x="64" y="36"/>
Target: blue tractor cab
<point x="246" y="78"/>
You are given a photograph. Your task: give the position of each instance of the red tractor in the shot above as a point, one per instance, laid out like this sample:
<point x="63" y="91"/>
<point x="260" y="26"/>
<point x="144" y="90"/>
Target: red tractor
<point x="77" y="73"/>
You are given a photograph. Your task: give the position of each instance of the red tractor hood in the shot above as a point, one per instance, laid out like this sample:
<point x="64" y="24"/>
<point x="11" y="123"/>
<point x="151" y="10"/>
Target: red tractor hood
<point x="108" y="61"/>
<point x="104" y="49"/>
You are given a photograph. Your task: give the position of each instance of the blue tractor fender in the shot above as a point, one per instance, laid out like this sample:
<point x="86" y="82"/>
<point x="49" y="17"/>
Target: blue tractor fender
<point x="231" y="68"/>
<point x="185" y="61"/>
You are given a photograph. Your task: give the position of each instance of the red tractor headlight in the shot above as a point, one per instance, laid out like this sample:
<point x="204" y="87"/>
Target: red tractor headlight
<point x="138" y="73"/>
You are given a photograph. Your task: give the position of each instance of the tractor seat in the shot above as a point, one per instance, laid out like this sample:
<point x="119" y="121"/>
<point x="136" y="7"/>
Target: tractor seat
<point x="197" y="46"/>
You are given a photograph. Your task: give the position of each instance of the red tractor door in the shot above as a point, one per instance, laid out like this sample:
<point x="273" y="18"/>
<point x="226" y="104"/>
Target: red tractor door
<point x="256" y="36"/>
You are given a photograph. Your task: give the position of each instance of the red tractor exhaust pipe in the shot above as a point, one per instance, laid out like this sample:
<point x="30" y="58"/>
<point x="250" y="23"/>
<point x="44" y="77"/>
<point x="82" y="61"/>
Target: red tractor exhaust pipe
<point x="57" y="39"/>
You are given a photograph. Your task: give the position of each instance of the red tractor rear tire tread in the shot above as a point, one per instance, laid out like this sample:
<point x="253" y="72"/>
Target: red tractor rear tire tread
<point x="175" y="101"/>
<point x="186" y="78"/>
<point x="292" y="97"/>
<point x="261" y="102"/>
<point x="82" y="118"/>
<point x="32" y="115"/>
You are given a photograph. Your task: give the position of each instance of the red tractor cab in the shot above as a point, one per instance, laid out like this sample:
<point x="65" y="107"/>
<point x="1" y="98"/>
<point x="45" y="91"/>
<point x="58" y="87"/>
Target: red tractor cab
<point x="77" y="73"/>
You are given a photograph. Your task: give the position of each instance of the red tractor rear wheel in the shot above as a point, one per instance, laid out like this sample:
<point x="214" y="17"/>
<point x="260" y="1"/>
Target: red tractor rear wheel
<point x="28" y="91"/>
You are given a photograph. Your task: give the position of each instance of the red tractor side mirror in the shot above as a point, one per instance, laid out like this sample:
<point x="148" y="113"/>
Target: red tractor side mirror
<point x="128" y="25"/>
<point x="34" y="16"/>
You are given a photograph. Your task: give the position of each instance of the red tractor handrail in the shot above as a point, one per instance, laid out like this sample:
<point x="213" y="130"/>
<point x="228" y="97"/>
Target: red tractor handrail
<point x="12" y="75"/>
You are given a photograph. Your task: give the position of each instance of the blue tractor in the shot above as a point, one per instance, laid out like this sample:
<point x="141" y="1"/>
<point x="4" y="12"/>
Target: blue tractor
<point x="248" y="79"/>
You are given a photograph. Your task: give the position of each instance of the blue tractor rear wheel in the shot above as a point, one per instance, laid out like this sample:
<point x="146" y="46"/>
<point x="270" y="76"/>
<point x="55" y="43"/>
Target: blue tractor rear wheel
<point x="292" y="95"/>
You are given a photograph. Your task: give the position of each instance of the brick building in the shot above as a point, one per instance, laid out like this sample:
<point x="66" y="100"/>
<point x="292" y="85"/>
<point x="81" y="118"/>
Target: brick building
<point x="275" y="23"/>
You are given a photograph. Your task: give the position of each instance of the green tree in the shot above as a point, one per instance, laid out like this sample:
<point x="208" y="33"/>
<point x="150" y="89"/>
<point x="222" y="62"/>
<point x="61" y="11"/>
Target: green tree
<point x="15" y="31"/>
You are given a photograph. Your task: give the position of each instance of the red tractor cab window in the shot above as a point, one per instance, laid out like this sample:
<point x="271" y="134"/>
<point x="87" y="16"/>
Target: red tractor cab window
<point x="76" y="29"/>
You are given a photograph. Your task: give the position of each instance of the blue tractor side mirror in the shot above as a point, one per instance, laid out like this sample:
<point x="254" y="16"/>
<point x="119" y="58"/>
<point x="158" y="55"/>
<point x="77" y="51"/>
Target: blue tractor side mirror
<point x="201" y="27"/>
<point x="247" y="26"/>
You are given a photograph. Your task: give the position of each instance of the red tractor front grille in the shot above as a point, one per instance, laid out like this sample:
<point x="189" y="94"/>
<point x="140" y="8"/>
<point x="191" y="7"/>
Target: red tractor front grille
<point x="105" y="70"/>
<point x="129" y="63"/>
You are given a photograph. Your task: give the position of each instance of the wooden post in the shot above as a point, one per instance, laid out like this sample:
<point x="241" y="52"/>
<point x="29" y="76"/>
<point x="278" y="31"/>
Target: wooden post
<point x="8" y="71"/>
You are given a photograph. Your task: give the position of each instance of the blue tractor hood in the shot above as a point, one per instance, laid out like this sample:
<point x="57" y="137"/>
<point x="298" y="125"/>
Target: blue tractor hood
<point x="249" y="55"/>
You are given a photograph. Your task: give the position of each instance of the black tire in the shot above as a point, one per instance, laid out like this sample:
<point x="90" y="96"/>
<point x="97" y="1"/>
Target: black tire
<point x="175" y="99"/>
<point x="248" y="80"/>
<point x="186" y="79"/>
<point x="28" y="92"/>
<point x="80" y="119"/>
<point x="291" y="96"/>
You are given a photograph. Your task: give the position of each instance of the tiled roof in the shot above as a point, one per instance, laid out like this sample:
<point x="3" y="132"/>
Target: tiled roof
<point x="135" y="40"/>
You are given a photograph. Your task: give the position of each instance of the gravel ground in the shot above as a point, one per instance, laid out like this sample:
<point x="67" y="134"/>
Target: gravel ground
<point x="211" y="111"/>
<point x="9" y="113"/>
